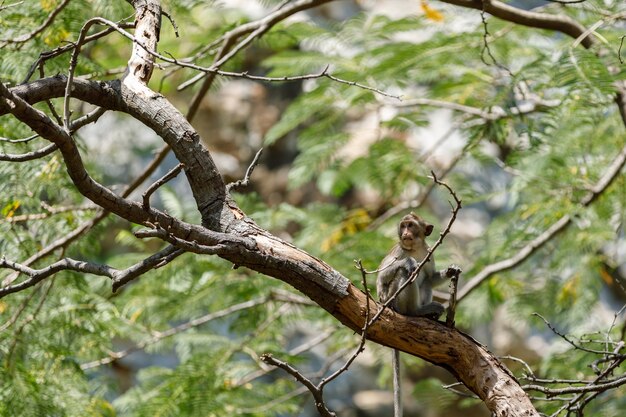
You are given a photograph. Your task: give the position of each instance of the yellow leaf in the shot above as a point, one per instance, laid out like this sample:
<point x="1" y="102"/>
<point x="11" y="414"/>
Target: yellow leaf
<point x="606" y="277"/>
<point x="56" y="36"/>
<point x="3" y="307"/>
<point x="50" y="168"/>
<point x="136" y="315"/>
<point x="355" y="221"/>
<point x="431" y="13"/>
<point x="10" y="209"/>
<point x="48" y="5"/>
<point x="569" y="291"/>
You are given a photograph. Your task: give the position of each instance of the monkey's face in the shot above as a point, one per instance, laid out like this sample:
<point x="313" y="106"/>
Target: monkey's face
<point x="411" y="230"/>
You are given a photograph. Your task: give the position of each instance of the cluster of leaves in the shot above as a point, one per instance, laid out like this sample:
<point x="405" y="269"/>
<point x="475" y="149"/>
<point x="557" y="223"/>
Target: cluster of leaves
<point x="521" y="172"/>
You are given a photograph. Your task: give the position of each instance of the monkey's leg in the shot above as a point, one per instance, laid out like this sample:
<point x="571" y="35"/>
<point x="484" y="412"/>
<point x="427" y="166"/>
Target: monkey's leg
<point x="397" y="397"/>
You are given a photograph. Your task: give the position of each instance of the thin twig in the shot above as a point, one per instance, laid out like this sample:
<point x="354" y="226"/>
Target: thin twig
<point x="313" y="389"/>
<point x="170" y="175"/>
<point x="318" y="390"/>
<point x="568" y="340"/>
<point x="580" y="396"/>
<point x="228" y="39"/>
<point x="44" y="56"/>
<point x="172" y="21"/>
<point x="28" y="139"/>
<point x="87" y="118"/>
<point x="246" y="179"/>
<point x="119" y="277"/>
<point x="70" y="76"/>
<point x="29" y="156"/>
<point x="366" y="324"/>
<point x="212" y="69"/>
<point x="298" y="350"/>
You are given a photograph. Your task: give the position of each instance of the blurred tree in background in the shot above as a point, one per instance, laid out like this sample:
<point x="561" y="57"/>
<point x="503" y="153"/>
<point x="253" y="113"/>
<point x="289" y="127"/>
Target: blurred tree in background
<point x="521" y="112"/>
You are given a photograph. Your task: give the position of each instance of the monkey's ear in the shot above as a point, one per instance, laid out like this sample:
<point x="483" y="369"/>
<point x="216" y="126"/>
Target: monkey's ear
<point x="428" y="229"/>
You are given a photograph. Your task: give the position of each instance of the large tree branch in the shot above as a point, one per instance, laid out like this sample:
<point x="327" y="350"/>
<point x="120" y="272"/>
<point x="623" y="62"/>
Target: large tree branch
<point x="563" y="24"/>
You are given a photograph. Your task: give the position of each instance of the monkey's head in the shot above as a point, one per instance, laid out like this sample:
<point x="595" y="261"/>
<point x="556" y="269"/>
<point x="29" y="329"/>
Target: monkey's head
<point x="413" y="229"/>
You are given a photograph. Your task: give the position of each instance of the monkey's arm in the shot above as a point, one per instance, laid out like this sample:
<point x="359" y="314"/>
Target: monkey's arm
<point x="391" y="279"/>
<point x="386" y="282"/>
<point x="439" y="277"/>
<point x="428" y="307"/>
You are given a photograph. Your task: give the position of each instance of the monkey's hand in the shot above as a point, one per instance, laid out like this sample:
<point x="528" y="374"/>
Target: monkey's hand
<point x="453" y="271"/>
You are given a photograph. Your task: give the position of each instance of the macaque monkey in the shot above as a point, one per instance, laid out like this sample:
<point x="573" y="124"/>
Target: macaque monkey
<point x="416" y="299"/>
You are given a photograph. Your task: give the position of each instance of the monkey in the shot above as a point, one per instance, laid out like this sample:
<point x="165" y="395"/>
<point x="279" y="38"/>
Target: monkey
<point x="416" y="299"/>
<point x="401" y="261"/>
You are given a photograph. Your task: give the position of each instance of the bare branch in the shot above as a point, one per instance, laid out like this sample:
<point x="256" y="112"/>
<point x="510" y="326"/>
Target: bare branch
<point x="575" y="402"/>
<point x="366" y="323"/>
<point x="246" y="179"/>
<point x="258" y="28"/>
<point x="28" y="139"/>
<point x="119" y="277"/>
<point x="298" y="350"/>
<point x="315" y="391"/>
<point x="84" y="120"/>
<point x="538" y="20"/>
<point x="44" y="56"/>
<point x="213" y="70"/>
<point x="318" y="390"/>
<point x="29" y="156"/>
<point x="158" y="260"/>
<point x="170" y="175"/>
<point x="189" y="246"/>
<point x="59" y="243"/>
<point x="37" y="275"/>
<point x="591" y="387"/>
<point x="567" y="339"/>
<point x="17" y="3"/>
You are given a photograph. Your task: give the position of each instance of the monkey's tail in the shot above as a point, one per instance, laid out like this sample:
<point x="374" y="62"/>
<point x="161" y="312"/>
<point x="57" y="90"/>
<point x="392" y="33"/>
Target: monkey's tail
<point x="397" y="400"/>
